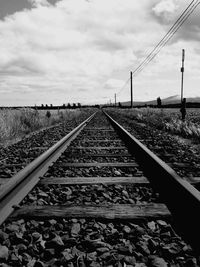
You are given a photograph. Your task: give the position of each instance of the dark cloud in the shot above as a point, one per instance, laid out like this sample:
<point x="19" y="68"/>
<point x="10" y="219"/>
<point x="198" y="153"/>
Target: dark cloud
<point x="53" y="2"/>
<point x="21" y="67"/>
<point x="8" y="7"/>
<point x="190" y="30"/>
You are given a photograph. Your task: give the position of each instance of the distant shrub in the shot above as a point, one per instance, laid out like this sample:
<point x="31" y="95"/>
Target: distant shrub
<point x="48" y="114"/>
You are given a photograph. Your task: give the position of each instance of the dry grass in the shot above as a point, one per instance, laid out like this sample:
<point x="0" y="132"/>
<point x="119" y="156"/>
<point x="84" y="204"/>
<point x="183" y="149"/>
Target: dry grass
<point x="15" y="123"/>
<point x="168" y="120"/>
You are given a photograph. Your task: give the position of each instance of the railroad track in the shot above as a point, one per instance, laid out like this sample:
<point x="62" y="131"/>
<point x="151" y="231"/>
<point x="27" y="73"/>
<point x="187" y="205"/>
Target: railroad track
<point x="98" y="197"/>
<point x="15" y="157"/>
<point x="182" y="156"/>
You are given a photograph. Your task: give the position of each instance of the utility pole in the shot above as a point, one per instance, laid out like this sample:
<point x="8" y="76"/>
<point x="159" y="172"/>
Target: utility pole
<point x="115" y="100"/>
<point x="131" y="89"/>
<point x="182" y="71"/>
<point x="183" y="100"/>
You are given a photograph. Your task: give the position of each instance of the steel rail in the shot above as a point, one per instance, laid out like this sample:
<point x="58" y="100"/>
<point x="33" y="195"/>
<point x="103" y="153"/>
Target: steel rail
<point x="181" y="198"/>
<point x="14" y="191"/>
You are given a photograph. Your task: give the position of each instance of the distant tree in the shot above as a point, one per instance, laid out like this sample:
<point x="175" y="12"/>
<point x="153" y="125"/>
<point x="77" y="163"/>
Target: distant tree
<point x="48" y="114"/>
<point x="74" y="105"/>
<point x="64" y="106"/>
<point x="51" y="105"/>
<point x="68" y="105"/>
<point x="119" y="104"/>
<point x="79" y="105"/>
<point x="159" y="102"/>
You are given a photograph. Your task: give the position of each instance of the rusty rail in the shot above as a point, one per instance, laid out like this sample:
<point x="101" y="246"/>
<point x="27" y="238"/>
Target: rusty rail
<point x="13" y="192"/>
<point x="181" y="198"/>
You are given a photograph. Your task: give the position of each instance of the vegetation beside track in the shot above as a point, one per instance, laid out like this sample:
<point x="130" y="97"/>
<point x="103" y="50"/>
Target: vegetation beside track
<point x="16" y="123"/>
<point x="171" y="148"/>
<point x="167" y="119"/>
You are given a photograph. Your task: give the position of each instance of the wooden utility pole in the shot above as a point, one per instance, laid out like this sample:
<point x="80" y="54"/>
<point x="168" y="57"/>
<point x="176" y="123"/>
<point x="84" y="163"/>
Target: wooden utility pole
<point x="183" y="100"/>
<point x="182" y="71"/>
<point x="183" y="109"/>
<point x="115" y="100"/>
<point x="131" y="78"/>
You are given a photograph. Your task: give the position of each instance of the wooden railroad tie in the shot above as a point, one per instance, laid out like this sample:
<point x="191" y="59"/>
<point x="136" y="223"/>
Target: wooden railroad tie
<point x="99" y="140"/>
<point x="140" y="181"/>
<point x="109" y="129"/>
<point x="115" y="211"/>
<point x="94" y="180"/>
<point x="172" y="165"/>
<point x="98" y="164"/>
<point x="99" y="155"/>
<point x="100" y="148"/>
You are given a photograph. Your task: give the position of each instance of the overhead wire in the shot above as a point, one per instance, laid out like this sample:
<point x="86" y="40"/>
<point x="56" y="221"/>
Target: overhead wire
<point x="163" y="39"/>
<point x="179" y="22"/>
<point x="167" y="37"/>
<point x="173" y="33"/>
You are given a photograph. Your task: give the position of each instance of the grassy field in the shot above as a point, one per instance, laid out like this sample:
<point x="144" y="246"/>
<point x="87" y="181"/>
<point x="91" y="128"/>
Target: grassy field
<point x="168" y="120"/>
<point x="15" y="123"/>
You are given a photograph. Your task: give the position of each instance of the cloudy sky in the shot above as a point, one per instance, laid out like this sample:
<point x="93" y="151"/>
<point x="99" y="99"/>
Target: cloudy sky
<point x="60" y="51"/>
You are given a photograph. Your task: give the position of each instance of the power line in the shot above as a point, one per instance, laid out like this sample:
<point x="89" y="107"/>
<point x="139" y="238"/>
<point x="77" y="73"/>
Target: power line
<point x="179" y="22"/>
<point x="169" y="37"/>
<point x="162" y="40"/>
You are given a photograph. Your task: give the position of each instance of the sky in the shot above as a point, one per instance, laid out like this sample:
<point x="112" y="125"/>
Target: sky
<point x="70" y="51"/>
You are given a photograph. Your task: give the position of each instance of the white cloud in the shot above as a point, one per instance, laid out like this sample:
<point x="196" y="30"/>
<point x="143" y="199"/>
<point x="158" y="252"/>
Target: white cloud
<point x="74" y="39"/>
<point x="115" y="84"/>
<point x="78" y="49"/>
<point x="36" y="3"/>
<point x="166" y="6"/>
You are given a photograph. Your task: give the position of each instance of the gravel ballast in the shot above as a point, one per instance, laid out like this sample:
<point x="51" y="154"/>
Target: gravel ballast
<point x="94" y="243"/>
<point x="90" y="194"/>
